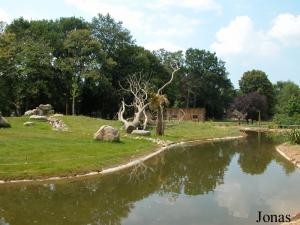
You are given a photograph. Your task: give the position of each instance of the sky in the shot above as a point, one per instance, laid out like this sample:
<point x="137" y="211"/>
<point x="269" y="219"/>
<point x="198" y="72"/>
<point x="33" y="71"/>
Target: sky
<point x="246" y="34"/>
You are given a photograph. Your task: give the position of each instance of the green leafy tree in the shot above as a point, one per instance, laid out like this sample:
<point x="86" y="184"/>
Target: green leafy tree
<point x="82" y="57"/>
<point x="284" y="90"/>
<point x="207" y="81"/>
<point x="257" y="81"/>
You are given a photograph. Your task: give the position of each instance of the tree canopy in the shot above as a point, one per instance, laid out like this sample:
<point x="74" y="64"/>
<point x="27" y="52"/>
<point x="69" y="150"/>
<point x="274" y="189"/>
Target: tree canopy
<point x="78" y="66"/>
<point x="257" y="81"/>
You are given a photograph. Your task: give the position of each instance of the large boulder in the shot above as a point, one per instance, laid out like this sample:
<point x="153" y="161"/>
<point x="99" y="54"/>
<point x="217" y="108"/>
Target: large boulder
<point x="107" y="133"/>
<point x="4" y="123"/>
<point x="45" y="110"/>
<point x="30" y="112"/>
<point x="141" y="132"/>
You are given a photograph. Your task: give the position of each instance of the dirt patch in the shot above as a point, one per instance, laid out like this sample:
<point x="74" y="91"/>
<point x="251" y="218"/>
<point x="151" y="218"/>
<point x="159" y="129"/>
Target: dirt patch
<point x="290" y="152"/>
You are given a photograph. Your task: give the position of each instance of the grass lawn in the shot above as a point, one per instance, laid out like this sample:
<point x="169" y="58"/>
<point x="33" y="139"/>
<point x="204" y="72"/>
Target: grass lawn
<point x="38" y="151"/>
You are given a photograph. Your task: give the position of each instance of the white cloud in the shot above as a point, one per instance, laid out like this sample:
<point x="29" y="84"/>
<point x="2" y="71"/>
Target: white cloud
<point x="176" y="26"/>
<point x="163" y="44"/>
<point x="240" y="37"/>
<point x="3" y="16"/>
<point x="232" y="197"/>
<point x="131" y="18"/>
<point x="286" y="28"/>
<point x="191" y="4"/>
<point x="161" y="24"/>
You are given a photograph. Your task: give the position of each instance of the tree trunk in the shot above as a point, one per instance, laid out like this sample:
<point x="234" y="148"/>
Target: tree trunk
<point x="188" y="99"/>
<point x="145" y="120"/>
<point x="67" y="107"/>
<point x="73" y="106"/>
<point x="160" y="122"/>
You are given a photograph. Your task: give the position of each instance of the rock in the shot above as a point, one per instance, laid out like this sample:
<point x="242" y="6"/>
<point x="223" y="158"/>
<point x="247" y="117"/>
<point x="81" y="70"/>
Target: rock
<point x="107" y="133"/>
<point x="4" y="123"/>
<point x="46" y="110"/>
<point x="32" y="112"/>
<point x="28" y="124"/>
<point x="28" y="113"/>
<point x="41" y="110"/>
<point x="141" y="132"/>
<point x="37" y="117"/>
<point x="57" y="124"/>
<point x="58" y="115"/>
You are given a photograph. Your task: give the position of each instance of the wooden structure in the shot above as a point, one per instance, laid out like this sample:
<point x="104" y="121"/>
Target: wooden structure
<point x="193" y="114"/>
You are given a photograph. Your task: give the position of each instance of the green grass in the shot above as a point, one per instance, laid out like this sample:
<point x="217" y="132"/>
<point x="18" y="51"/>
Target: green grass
<point x="188" y="130"/>
<point x="38" y="151"/>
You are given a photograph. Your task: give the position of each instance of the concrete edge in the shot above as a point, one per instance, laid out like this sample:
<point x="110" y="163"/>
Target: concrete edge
<point x="278" y="149"/>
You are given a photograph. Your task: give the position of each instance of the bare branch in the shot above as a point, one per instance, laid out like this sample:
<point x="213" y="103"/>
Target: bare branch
<point x="175" y="69"/>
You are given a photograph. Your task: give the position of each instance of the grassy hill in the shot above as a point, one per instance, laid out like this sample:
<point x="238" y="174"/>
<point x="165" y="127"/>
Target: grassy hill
<point x="38" y="151"/>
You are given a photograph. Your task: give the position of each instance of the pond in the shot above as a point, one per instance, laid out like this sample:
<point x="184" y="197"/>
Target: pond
<point x="213" y="184"/>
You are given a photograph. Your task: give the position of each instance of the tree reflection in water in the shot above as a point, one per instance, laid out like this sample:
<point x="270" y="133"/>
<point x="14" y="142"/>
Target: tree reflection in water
<point x="108" y="199"/>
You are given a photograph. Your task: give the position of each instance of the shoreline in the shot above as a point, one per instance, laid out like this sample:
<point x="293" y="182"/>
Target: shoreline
<point x="124" y="165"/>
<point x="290" y="152"/>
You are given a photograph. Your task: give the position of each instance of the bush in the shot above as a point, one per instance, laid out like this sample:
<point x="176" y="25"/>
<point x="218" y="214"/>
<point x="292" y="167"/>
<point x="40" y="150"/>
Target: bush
<point x="293" y="136"/>
<point x="284" y="119"/>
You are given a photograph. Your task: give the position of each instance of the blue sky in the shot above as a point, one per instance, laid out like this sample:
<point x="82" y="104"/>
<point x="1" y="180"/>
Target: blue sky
<point x="246" y="34"/>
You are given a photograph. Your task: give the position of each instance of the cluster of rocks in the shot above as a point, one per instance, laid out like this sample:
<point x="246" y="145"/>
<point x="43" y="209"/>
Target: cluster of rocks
<point x="4" y="123"/>
<point x="41" y="110"/>
<point x="107" y="133"/>
<point x="57" y="124"/>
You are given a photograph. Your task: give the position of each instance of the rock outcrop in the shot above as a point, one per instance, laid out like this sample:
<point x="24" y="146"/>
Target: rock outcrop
<point x="41" y="110"/>
<point x="107" y="133"/>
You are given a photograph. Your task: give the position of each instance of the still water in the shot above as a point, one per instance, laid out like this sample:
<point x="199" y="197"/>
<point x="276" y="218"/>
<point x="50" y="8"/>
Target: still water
<point x="212" y="184"/>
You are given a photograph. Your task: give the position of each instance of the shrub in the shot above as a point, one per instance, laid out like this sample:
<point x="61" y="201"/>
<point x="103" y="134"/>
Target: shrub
<point x="284" y="119"/>
<point x="293" y="136"/>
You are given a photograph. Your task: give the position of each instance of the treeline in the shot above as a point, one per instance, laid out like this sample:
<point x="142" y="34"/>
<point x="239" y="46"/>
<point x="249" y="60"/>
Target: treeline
<point x="78" y="66"/>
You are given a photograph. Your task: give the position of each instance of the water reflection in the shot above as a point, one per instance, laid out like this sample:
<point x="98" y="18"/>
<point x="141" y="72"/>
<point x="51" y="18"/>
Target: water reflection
<point x="193" y="172"/>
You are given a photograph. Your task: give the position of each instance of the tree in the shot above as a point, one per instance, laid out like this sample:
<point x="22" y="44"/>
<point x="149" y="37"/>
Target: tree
<point x="139" y="88"/>
<point x="82" y="57"/>
<point x="158" y="101"/>
<point x="201" y="82"/>
<point x="257" y="81"/>
<point x="284" y="91"/>
<point x="251" y="104"/>
<point x="112" y="34"/>
<point x="7" y="72"/>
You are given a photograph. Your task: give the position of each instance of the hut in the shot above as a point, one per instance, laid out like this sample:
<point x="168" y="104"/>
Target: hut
<point x="192" y="114"/>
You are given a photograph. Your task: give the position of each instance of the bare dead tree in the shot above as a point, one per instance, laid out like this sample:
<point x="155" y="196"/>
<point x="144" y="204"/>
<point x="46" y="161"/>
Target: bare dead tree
<point x="159" y="100"/>
<point x="139" y="173"/>
<point x="138" y="86"/>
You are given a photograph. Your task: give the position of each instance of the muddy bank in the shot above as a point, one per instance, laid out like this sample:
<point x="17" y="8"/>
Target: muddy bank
<point x="290" y="152"/>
